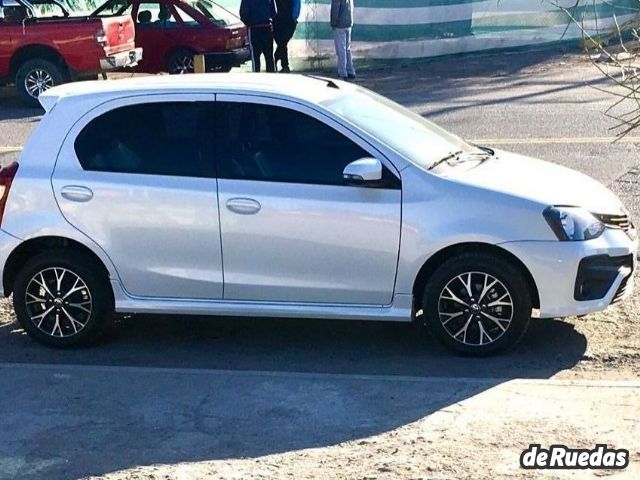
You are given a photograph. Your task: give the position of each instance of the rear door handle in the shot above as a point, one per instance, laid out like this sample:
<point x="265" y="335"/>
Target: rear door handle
<point x="76" y="193"/>
<point x="243" y="206"/>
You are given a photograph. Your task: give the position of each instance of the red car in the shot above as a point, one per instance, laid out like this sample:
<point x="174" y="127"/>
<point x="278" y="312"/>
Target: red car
<point x="172" y="32"/>
<point x="41" y="45"/>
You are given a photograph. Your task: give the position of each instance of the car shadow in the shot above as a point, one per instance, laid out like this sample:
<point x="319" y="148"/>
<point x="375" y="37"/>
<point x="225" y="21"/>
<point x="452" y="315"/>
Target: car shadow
<point x="451" y="84"/>
<point x="293" y="345"/>
<point x="12" y="107"/>
<point x="278" y="386"/>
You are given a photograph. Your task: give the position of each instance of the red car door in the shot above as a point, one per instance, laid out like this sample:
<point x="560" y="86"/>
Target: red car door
<point x="156" y="23"/>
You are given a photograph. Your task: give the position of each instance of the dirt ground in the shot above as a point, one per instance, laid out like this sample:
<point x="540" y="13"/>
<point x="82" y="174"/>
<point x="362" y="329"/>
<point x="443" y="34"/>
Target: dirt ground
<point x="613" y="349"/>
<point x="479" y="438"/>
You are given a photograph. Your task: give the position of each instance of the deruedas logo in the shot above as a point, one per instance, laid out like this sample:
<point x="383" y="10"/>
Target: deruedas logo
<point x="563" y="457"/>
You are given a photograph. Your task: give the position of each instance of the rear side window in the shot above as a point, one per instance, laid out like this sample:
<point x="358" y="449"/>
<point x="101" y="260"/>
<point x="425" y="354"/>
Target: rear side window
<point x="173" y="138"/>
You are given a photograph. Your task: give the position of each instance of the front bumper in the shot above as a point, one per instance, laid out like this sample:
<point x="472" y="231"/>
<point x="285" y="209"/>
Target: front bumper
<point x="233" y="57"/>
<point x="129" y="58"/>
<point x="556" y="270"/>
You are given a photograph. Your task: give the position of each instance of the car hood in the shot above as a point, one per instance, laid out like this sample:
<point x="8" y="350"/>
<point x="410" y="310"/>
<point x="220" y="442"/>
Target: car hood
<point x="539" y="181"/>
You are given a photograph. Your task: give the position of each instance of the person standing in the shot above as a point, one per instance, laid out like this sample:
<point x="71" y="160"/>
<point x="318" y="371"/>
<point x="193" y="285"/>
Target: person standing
<point x="341" y="24"/>
<point x="284" y="26"/>
<point x="258" y="16"/>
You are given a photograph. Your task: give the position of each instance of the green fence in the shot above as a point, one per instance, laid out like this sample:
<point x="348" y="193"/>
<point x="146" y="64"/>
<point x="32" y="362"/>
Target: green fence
<point x="388" y="30"/>
<point x="411" y="29"/>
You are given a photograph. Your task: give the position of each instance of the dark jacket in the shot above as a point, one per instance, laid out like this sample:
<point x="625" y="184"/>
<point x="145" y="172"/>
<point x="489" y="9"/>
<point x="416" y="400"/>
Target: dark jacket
<point x="341" y="13"/>
<point x="288" y="10"/>
<point x="257" y="12"/>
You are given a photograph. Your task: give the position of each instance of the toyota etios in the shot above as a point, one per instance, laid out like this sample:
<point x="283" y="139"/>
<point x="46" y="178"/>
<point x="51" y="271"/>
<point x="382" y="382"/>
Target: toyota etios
<point x="293" y="196"/>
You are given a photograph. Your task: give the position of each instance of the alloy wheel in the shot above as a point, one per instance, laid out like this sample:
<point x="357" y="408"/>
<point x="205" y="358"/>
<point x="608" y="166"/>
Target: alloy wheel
<point x="38" y="81"/>
<point x="475" y="308"/>
<point x="58" y="302"/>
<point x="182" y="65"/>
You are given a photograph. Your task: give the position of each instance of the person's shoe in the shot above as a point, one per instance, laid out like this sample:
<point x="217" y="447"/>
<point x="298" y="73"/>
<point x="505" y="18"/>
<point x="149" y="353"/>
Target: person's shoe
<point x="351" y="76"/>
<point x="285" y="70"/>
<point x="344" y="79"/>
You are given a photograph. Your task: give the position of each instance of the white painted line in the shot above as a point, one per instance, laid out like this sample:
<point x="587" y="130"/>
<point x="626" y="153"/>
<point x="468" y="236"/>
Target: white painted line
<point x="10" y="149"/>
<point x="552" y="140"/>
<point x="320" y="376"/>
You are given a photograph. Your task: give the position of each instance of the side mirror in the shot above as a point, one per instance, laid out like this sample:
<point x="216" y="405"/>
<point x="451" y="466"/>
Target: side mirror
<point x="363" y="171"/>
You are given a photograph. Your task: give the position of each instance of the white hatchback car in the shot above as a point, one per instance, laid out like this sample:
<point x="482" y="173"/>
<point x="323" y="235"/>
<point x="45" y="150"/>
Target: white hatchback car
<point x="293" y="196"/>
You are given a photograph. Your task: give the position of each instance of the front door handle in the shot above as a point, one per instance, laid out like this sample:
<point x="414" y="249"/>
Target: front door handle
<point x="243" y="206"/>
<point x="76" y="193"/>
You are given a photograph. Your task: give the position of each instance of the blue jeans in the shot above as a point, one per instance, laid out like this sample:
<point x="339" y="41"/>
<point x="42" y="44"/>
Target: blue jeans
<point x="342" y="40"/>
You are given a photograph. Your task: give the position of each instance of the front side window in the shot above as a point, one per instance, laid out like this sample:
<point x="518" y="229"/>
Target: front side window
<point x="186" y="18"/>
<point x="173" y="138"/>
<point x="49" y="10"/>
<point x="112" y="8"/>
<point x="269" y="143"/>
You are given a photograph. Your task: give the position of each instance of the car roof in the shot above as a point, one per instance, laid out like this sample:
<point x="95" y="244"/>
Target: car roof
<point x="304" y="87"/>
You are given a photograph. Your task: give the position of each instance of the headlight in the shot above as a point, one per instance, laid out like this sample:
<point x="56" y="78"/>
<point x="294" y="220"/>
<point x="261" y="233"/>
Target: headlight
<point x="573" y="223"/>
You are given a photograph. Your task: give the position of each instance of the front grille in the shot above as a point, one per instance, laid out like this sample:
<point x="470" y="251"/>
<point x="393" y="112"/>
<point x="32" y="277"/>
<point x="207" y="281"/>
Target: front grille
<point x="621" y="222"/>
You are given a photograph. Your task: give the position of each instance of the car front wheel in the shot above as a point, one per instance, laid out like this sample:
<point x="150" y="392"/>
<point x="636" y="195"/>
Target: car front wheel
<point x="61" y="299"/>
<point x="477" y="304"/>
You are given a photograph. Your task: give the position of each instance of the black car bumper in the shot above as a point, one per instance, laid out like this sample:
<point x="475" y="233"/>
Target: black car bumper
<point x="596" y="275"/>
<point x="232" y="58"/>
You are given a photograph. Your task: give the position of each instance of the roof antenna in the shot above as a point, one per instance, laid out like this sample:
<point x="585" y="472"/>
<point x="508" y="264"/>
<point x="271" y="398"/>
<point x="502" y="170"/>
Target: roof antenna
<point x="330" y="83"/>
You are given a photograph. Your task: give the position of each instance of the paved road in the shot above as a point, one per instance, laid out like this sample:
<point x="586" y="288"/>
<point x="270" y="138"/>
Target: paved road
<point x="167" y="390"/>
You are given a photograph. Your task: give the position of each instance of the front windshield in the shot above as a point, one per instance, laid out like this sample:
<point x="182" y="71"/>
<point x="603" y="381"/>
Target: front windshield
<point x="414" y="137"/>
<point x="214" y="12"/>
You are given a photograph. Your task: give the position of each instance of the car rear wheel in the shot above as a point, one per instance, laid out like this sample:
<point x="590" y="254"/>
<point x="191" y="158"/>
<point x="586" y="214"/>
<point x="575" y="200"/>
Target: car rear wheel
<point x="180" y="62"/>
<point x="62" y="299"/>
<point x="477" y="304"/>
<point x="35" y="77"/>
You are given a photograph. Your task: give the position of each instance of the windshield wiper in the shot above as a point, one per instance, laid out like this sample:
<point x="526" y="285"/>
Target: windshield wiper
<point x="460" y="157"/>
<point x="451" y="156"/>
<point x="482" y="156"/>
<point x="488" y="150"/>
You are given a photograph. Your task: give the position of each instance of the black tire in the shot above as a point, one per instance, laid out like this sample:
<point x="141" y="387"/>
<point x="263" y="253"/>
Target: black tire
<point x="32" y="70"/>
<point x="97" y="290"/>
<point x="180" y="62"/>
<point x="447" y="318"/>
